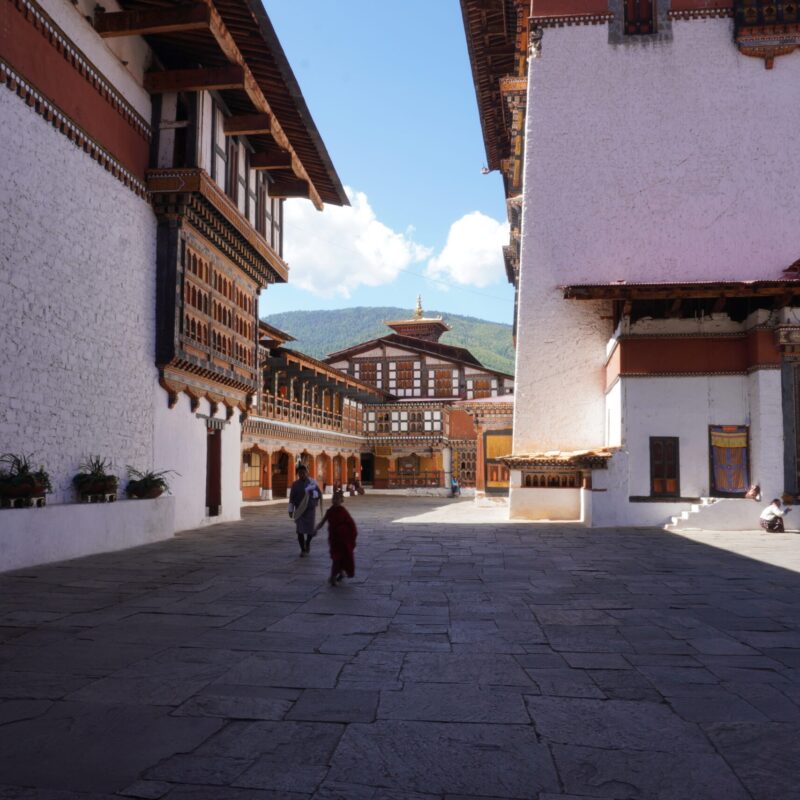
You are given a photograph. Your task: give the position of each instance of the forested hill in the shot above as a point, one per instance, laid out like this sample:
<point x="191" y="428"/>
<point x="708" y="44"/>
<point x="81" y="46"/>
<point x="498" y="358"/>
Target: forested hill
<point x="319" y="333"/>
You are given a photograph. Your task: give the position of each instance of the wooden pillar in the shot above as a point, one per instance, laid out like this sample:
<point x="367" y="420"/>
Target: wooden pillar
<point x="291" y="473"/>
<point x="480" y="463"/>
<point x="266" y="470"/>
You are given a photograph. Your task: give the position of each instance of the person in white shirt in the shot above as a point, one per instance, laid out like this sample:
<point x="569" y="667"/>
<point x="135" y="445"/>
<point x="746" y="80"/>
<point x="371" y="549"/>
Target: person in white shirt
<point x="772" y="517"/>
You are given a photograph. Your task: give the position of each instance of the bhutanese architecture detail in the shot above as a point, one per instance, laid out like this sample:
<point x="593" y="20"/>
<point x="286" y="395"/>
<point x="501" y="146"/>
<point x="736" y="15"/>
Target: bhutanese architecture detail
<point x="500" y="39"/>
<point x="148" y="149"/>
<point x="767" y="29"/>
<point x="657" y="287"/>
<point x="351" y="418"/>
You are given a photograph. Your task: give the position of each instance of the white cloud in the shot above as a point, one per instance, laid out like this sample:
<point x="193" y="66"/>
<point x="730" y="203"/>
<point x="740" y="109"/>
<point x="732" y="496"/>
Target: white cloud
<point x="336" y="251"/>
<point x="473" y="253"/>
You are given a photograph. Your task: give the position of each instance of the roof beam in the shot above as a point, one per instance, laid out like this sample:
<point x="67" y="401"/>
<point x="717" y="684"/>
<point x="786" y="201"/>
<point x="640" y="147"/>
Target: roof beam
<point x="289" y="188"/>
<point x="231" y="50"/>
<point x="247" y="124"/>
<point x="193" y="80"/>
<point x="271" y="159"/>
<point x="153" y="21"/>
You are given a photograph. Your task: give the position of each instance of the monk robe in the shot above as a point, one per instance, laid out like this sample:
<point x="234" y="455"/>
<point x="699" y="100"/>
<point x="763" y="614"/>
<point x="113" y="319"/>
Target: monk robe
<point x="342" y="533"/>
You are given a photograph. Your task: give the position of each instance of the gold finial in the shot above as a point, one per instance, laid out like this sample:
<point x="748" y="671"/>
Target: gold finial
<point x="418" y="313"/>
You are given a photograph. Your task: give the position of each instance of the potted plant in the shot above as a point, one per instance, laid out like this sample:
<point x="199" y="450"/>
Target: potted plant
<point x="18" y="482"/>
<point x="94" y="478"/>
<point x="147" y="485"/>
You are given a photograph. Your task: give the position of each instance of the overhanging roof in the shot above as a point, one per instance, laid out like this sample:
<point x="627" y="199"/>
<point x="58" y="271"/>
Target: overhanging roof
<point x="248" y="26"/>
<point x="621" y="290"/>
<point x="490" y="28"/>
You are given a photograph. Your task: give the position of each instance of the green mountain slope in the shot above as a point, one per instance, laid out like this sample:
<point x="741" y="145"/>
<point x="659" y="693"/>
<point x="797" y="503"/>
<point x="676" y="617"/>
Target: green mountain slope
<point x="319" y="333"/>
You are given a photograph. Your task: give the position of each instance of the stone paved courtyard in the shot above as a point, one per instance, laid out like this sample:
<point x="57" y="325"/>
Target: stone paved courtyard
<point x="469" y="658"/>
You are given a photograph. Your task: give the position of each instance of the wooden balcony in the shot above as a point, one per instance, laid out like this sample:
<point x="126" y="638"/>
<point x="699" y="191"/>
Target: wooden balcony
<point x="280" y="408"/>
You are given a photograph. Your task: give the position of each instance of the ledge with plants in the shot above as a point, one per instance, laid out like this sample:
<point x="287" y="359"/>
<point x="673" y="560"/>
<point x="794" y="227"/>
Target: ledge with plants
<point x="95" y="483"/>
<point x="148" y="485"/>
<point x="20" y="485"/>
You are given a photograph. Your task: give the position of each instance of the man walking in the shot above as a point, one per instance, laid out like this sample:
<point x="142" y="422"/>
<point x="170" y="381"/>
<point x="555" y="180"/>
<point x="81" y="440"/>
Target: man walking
<point x="304" y="496"/>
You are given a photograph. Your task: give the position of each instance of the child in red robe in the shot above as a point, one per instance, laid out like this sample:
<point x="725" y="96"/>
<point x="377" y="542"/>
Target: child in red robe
<point x="342" y="534"/>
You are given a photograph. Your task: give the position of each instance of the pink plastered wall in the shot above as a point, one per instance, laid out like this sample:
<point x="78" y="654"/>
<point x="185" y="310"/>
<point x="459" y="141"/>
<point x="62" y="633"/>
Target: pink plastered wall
<point x="660" y="162"/>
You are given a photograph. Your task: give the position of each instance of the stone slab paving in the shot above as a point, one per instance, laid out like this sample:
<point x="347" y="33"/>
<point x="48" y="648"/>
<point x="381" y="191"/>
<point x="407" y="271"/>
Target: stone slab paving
<point x="469" y="658"/>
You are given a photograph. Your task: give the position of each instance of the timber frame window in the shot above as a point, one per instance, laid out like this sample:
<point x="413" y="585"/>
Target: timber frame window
<point x="664" y="466"/>
<point x="640" y="17"/>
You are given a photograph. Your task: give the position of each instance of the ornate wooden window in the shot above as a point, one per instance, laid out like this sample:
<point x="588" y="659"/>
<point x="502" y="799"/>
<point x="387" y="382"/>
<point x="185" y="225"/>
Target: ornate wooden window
<point x="442" y="382"/>
<point x="277" y="226"/>
<point x="664" y="466"/>
<point x="405" y="378"/>
<point x="262" y="204"/>
<point x="232" y="168"/>
<point x="464" y="462"/>
<point x="481" y="387"/>
<point x="639" y="17"/>
<point x="368" y="372"/>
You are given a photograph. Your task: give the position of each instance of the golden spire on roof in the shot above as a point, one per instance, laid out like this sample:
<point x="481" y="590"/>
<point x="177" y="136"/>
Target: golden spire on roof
<point x="419" y="312"/>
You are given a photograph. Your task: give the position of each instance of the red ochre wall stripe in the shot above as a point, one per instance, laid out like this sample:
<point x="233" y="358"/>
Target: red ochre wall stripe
<point x="692" y="355"/>
<point x="51" y="74"/>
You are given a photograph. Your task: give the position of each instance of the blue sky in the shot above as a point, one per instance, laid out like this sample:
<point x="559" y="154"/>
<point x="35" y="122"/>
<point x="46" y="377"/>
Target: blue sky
<point x="390" y="89"/>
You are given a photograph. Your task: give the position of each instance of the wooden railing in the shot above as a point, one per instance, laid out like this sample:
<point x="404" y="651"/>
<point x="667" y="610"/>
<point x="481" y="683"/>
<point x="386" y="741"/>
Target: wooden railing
<point x="281" y="408"/>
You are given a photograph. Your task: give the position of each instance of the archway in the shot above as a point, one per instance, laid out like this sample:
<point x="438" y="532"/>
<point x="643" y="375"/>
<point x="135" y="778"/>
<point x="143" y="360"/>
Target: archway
<point x="367" y="468"/>
<point x="339" y="475"/>
<point x="324" y="474"/>
<point x="353" y="471"/>
<point x="280" y="473"/>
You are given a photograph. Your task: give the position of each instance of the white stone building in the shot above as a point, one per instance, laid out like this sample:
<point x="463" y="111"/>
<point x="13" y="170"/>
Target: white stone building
<point x="144" y="157"/>
<point x="654" y="249"/>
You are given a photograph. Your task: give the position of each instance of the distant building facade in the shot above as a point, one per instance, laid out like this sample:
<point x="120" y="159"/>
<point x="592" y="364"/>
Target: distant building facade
<point x="653" y="250"/>
<point x="421" y="435"/>
<point x="404" y="411"/>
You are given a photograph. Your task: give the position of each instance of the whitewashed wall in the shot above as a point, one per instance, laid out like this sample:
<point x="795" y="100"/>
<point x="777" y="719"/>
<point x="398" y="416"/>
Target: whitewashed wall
<point x="685" y="407"/>
<point x="180" y="445"/>
<point x="652" y="161"/>
<point x="643" y="162"/>
<point x="77" y="304"/>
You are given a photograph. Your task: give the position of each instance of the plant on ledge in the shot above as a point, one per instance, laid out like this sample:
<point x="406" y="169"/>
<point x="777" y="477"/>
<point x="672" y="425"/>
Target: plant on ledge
<point x="19" y="484"/>
<point x="94" y="479"/>
<point x="148" y="485"/>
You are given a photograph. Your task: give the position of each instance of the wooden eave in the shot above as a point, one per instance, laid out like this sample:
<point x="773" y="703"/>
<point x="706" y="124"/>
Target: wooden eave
<point x="490" y="28"/>
<point x="240" y="33"/>
<point x="329" y="373"/>
<point x="276" y="334"/>
<point x="579" y="459"/>
<point x="458" y="355"/>
<point x="676" y="291"/>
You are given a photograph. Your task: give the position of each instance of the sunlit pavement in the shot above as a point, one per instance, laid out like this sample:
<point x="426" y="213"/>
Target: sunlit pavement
<point x="470" y="657"/>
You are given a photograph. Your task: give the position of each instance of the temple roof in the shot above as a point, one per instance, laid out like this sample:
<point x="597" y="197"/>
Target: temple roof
<point x="419" y="326"/>
<point x="490" y="28"/>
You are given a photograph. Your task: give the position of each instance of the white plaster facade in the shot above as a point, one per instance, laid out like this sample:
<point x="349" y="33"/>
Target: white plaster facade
<point x="77" y="376"/>
<point x="78" y="305"/>
<point x="180" y="444"/>
<point x="647" y="162"/>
